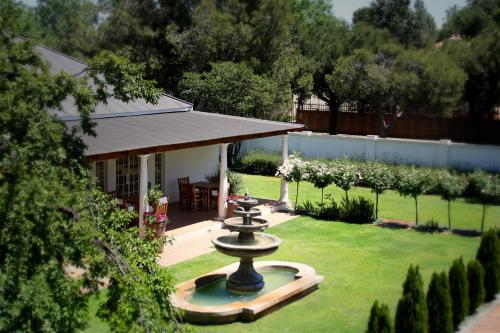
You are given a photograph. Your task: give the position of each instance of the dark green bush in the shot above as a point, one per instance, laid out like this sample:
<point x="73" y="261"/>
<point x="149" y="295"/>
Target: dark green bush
<point x="459" y="290"/>
<point x="357" y="210"/>
<point x="411" y="313"/>
<point x="380" y="320"/>
<point x="306" y="208"/>
<point x="475" y="277"/>
<point x="439" y="304"/>
<point x="259" y="163"/>
<point x="488" y="255"/>
<point x="327" y="211"/>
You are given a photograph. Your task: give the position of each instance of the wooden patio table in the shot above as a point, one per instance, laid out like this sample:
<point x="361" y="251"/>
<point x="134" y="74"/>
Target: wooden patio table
<point x="206" y="188"/>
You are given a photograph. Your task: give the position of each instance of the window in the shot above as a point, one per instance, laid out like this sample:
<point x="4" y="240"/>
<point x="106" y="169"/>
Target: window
<point x="127" y="177"/>
<point x="158" y="170"/>
<point x="100" y="173"/>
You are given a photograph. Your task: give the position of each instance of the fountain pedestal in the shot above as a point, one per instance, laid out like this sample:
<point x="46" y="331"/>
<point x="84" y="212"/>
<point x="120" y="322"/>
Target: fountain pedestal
<point x="245" y="279"/>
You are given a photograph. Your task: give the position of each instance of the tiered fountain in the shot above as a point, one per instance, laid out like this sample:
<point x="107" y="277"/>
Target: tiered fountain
<point x="238" y="291"/>
<point x="246" y="244"/>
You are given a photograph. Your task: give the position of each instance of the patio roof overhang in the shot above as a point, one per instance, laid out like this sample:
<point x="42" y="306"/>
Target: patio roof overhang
<point x="147" y="133"/>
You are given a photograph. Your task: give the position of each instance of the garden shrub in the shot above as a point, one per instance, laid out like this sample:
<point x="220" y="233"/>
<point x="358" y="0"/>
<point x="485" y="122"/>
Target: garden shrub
<point x="459" y="291"/>
<point x="414" y="183"/>
<point x="450" y="187"/>
<point x="235" y="182"/>
<point x="327" y="211"/>
<point x="378" y="178"/>
<point x="429" y="226"/>
<point x="320" y="175"/>
<point x="488" y="255"/>
<point x="345" y="175"/>
<point x="475" y="278"/>
<point x="358" y="210"/>
<point x="411" y="313"/>
<point x="306" y="208"/>
<point x="439" y="304"/>
<point x="294" y="169"/>
<point x="258" y="162"/>
<point x="477" y="181"/>
<point x="380" y="320"/>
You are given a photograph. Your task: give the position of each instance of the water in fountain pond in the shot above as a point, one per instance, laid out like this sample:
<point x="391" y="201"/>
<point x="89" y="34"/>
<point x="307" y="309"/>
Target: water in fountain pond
<point x="215" y="293"/>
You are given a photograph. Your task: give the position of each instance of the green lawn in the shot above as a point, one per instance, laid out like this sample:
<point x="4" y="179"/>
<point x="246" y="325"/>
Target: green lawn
<point x="391" y="205"/>
<point x="360" y="263"/>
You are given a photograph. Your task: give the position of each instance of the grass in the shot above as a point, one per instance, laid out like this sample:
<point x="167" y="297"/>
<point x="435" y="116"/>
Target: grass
<point x="464" y="214"/>
<point x="360" y="263"/>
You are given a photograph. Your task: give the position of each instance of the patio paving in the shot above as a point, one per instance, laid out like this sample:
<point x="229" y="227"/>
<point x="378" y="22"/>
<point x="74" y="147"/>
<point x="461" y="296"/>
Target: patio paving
<point x="486" y="319"/>
<point x="194" y="239"/>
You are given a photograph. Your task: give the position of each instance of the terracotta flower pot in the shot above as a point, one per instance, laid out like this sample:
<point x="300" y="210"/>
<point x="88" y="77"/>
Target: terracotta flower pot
<point x="158" y="229"/>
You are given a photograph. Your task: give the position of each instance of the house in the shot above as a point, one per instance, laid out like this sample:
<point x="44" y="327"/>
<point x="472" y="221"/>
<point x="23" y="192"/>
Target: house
<point x="140" y="144"/>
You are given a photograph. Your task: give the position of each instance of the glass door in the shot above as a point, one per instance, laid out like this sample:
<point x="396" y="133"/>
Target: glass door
<point x="127" y="177"/>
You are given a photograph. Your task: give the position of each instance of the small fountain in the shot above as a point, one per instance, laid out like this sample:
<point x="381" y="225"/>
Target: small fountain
<point x="246" y="245"/>
<point x="244" y="296"/>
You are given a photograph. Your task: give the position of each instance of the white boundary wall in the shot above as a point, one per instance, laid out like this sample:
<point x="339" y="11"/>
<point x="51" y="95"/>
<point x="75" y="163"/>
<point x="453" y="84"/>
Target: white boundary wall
<point x="442" y="153"/>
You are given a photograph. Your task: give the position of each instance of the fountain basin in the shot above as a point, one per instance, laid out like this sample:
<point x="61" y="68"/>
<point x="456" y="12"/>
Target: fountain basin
<point x="260" y="245"/>
<point x="238" y="224"/>
<point x="295" y="281"/>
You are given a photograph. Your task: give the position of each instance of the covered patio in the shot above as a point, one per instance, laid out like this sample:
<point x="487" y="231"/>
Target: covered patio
<point x="132" y="152"/>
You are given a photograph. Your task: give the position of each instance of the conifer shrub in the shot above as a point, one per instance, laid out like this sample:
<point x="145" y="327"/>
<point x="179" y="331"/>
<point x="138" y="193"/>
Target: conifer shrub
<point x="475" y="277"/>
<point x="411" y="313"/>
<point x="380" y="320"/>
<point x="439" y="304"/>
<point x="459" y="291"/>
<point x="488" y="255"/>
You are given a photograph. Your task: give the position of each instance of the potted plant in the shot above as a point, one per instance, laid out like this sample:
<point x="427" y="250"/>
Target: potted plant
<point x="231" y="204"/>
<point x="156" y="222"/>
<point x="152" y="219"/>
<point x="153" y="197"/>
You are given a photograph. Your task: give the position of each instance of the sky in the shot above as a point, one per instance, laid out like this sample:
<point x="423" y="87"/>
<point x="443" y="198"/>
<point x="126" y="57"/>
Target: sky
<point x="345" y="8"/>
<point x="437" y="8"/>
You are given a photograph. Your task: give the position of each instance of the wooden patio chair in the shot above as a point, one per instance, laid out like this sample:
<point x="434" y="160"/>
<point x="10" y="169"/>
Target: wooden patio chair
<point x="198" y="197"/>
<point x="161" y="208"/>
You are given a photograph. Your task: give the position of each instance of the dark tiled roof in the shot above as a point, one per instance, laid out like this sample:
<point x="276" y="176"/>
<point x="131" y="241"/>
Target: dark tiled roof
<point x="60" y="62"/>
<point x="121" y="136"/>
<point x="138" y="127"/>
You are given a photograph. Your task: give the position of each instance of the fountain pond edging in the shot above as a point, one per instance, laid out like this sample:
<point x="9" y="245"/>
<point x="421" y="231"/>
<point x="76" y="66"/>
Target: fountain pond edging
<point x="305" y="280"/>
<point x="231" y="294"/>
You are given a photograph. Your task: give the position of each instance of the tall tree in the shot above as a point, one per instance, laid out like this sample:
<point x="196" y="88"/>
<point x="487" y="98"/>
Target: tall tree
<point x="411" y="26"/>
<point x="50" y="217"/>
<point x="393" y="81"/>
<point x="479" y="25"/>
<point x="69" y="26"/>
<point x="140" y="30"/>
<point x="322" y="39"/>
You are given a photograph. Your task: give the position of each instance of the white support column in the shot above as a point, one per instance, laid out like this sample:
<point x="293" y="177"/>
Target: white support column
<point x="143" y="189"/>
<point x="223" y="183"/>
<point x="284" y="185"/>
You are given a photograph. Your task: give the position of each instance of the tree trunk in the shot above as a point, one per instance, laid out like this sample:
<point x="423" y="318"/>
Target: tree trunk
<point x="383" y="127"/>
<point x="376" y="205"/>
<point x="416" y="211"/>
<point x="449" y="215"/>
<point x="482" y="220"/>
<point x="296" y="196"/>
<point x="334" y="114"/>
